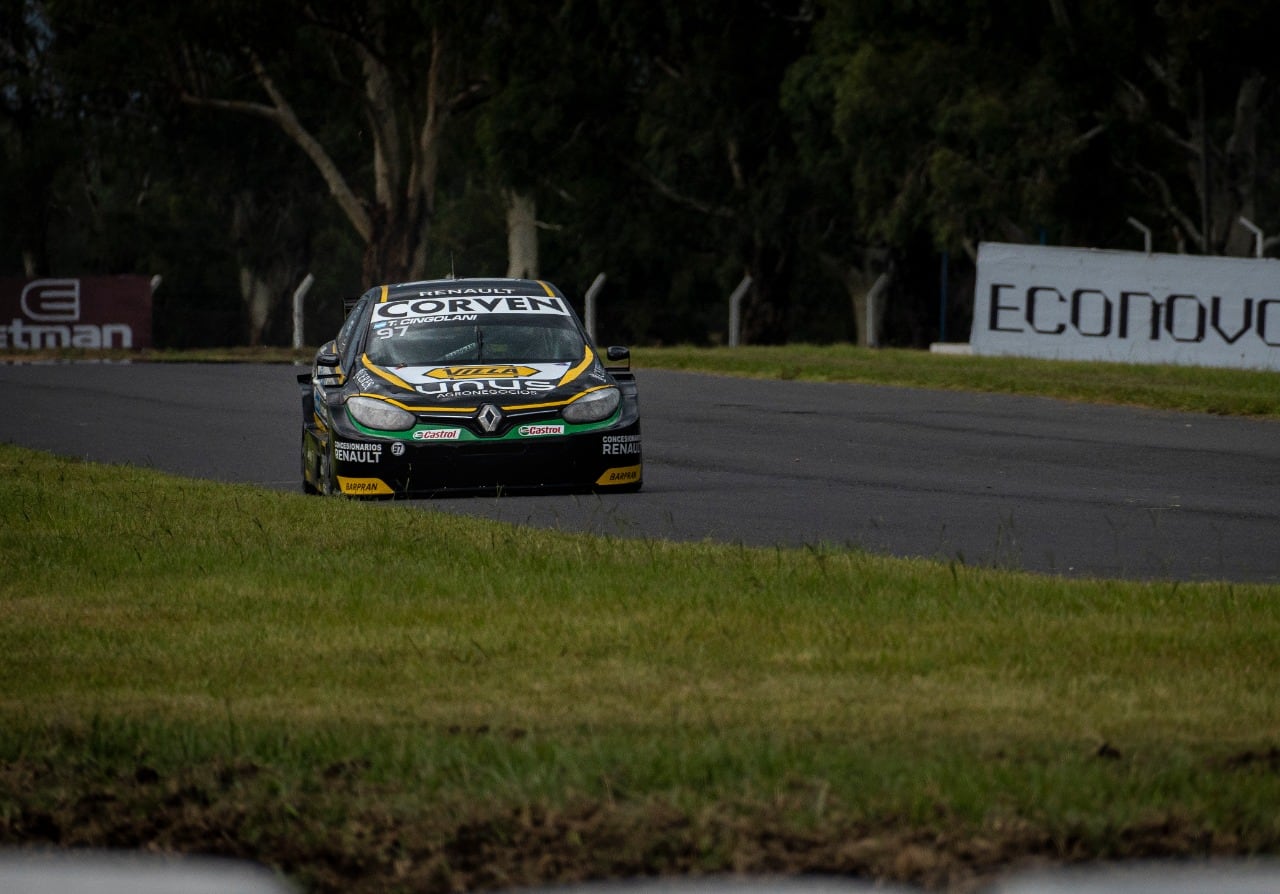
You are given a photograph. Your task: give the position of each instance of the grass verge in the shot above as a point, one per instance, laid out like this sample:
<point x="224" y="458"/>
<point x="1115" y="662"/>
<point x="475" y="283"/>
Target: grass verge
<point x="1233" y="392"/>
<point x="373" y="697"/>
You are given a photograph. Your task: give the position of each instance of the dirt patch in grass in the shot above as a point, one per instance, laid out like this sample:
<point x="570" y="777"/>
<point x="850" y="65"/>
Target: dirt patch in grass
<point x="340" y="832"/>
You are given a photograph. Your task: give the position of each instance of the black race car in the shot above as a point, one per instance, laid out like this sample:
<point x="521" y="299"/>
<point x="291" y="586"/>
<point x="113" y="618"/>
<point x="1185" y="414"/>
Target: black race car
<point x="467" y="385"/>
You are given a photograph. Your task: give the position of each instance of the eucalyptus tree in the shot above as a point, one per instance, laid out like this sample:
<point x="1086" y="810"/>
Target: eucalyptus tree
<point x="539" y="131"/>
<point x="1197" y="92"/>
<point x="135" y="182"/>
<point x="951" y="118"/>
<point x="936" y="125"/>
<point x="365" y="91"/>
<point x="712" y="148"/>
<point x="37" y="137"/>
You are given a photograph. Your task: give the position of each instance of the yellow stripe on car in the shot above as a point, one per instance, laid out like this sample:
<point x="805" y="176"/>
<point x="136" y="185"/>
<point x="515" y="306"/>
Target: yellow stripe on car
<point x="383" y="374"/>
<point x="578" y="370"/>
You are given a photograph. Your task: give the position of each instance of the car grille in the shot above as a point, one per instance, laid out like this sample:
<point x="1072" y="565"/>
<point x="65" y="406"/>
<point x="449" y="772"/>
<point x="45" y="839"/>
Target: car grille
<point x="509" y="420"/>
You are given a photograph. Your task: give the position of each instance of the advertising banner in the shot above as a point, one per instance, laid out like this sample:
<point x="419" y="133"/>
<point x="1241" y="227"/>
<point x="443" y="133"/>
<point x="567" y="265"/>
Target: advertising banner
<point x="92" y="312"/>
<point x="1126" y="307"/>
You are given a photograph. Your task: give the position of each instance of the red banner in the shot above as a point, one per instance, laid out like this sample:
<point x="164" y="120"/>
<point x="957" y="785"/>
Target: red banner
<point x="90" y="312"/>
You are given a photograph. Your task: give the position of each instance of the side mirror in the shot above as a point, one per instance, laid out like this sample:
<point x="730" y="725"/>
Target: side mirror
<point x="617" y="357"/>
<point x="326" y="367"/>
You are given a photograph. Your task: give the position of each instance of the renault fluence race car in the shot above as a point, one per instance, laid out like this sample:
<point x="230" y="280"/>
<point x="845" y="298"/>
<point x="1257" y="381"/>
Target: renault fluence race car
<point x="467" y="385"/>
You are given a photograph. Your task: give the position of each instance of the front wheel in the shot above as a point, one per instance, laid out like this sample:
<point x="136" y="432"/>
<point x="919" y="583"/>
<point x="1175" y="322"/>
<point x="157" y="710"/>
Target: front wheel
<point x="328" y="487"/>
<point x="308" y="472"/>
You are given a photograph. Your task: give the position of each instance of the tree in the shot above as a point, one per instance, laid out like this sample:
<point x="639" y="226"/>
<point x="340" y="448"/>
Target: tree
<point x="531" y="129"/>
<point x="1197" y="97"/>
<point x="393" y="76"/>
<point x="710" y="140"/>
<point x="153" y="188"/>
<point x="823" y="147"/>
<point x="954" y="122"/>
<point x="36" y="127"/>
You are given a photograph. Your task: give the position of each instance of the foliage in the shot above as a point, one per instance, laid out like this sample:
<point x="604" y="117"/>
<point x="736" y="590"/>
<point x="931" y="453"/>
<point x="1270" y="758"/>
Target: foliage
<point x="811" y="144"/>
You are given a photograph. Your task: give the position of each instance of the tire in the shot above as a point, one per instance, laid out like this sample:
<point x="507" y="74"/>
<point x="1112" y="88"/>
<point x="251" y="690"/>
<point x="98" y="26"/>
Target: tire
<point x="328" y="486"/>
<point x="307" y="487"/>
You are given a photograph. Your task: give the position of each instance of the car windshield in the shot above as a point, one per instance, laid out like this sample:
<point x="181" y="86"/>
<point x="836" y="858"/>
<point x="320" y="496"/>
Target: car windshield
<point x="543" y="338"/>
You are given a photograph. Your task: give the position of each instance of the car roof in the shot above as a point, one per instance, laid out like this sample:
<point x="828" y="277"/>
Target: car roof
<point x="468" y="286"/>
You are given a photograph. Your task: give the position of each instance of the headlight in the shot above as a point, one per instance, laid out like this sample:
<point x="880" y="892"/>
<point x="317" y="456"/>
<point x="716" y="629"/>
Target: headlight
<point x="594" y="406"/>
<point x="379" y="414"/>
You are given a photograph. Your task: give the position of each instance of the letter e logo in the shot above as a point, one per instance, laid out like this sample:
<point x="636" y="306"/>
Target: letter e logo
<point x="52" y="300"/>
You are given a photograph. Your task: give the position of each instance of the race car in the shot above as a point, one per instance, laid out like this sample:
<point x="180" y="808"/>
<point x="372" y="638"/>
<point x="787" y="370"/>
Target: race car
<point x="468" y="385"/>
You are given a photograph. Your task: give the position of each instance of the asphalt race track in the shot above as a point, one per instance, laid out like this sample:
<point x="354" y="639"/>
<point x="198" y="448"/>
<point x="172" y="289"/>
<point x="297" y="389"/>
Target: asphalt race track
<point x="1043" y="485"/>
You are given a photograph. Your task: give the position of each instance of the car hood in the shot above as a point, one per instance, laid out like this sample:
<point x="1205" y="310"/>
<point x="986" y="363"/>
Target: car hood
<point x="453" y="386"/>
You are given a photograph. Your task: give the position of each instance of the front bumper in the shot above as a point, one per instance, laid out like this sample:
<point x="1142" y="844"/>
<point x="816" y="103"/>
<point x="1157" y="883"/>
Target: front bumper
<point x="601" y="459"/>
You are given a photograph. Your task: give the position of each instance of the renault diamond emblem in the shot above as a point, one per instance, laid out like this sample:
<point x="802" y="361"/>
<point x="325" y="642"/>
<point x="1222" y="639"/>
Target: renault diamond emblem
<point x="489" y="417"/>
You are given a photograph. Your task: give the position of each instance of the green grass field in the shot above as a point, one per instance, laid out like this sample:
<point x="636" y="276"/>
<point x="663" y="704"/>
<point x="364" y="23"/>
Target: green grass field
<point x="1185" y="388"/>
<point x="374" y="697"/>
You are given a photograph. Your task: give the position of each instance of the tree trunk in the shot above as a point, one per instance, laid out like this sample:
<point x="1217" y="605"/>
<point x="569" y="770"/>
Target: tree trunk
<point x="1225" y="178"/>
<point x="1239" y="192"/>
<point x="766" y="317"/>
<point x="406" y="124"/>
<point x="267" y="278"/>
<point x="256" y="295"/>
<point x="388" y="256"/>
<point x="863" y="284"/>
<point x="522" y="235"/>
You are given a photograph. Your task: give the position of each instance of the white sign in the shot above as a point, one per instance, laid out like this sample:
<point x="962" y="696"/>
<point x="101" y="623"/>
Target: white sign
<point x="1127" y="307"/>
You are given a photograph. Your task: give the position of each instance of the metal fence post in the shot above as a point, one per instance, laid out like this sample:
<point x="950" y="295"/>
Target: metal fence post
<point x="1257" y="235"/>
<point x="298" y="294"/>
<point x="735" y="310"/>
<point x="596" y="285"/>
